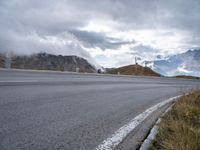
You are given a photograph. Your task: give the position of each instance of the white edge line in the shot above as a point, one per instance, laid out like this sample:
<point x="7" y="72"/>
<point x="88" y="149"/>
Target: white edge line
<point x="111" y="142"/>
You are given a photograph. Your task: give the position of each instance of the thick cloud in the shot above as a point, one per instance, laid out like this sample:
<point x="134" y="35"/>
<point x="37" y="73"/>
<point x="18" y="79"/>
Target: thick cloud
<point x="94" y="39"/>
<point x="108" y="31"/>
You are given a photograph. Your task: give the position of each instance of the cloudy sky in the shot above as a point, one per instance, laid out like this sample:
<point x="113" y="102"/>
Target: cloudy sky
<point x="106" y="32"/>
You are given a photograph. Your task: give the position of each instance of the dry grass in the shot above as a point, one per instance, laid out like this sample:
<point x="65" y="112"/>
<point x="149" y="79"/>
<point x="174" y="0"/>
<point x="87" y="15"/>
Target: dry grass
<point x="180" y="128"/>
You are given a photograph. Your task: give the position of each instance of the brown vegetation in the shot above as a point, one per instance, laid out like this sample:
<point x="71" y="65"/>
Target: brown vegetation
<point x="180" y="128"/>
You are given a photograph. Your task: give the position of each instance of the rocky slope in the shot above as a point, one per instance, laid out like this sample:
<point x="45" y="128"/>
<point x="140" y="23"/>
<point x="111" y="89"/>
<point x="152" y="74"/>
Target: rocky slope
<point x="44" y="61"/>
<point x="2" y="61"/>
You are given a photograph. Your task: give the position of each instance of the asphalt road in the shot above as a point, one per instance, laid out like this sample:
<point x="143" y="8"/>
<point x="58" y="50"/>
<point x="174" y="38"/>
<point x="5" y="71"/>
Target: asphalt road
<point x="52" y="110"/>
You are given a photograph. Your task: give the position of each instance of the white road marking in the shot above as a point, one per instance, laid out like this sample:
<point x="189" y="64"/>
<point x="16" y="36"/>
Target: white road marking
<point x="120" y="134"/>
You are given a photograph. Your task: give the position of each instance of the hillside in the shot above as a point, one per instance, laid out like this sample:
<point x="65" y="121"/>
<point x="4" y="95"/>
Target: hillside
<point x="187" y="77"/>
<point x="44" y="61"/>
<point x="134" y="70"/>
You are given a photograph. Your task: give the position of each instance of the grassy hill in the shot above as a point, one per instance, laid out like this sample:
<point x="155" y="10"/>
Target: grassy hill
<point x="134" y="70"/>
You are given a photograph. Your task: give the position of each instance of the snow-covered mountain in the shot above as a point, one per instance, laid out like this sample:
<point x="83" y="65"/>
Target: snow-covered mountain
<point x="187" y="63"/>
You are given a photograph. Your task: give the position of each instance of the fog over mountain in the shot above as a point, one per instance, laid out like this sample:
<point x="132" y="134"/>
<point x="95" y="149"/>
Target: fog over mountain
<point x="108" y="33"/>
<point x="44" y="61"/>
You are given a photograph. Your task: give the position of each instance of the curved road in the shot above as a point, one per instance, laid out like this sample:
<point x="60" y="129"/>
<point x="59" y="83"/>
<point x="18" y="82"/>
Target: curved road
<point x="55" y="110"/>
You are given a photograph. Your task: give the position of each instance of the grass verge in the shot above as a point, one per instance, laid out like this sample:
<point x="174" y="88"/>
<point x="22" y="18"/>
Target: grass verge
<point x="180" y="128"/>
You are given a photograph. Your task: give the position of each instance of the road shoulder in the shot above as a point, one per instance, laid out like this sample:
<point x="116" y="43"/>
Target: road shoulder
<point x="136" y="137"/>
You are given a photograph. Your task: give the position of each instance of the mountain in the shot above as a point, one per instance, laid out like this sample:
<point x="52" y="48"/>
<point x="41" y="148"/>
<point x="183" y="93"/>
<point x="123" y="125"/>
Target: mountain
<point x="187" y="63"/>
<point x="44" y="61"/>
<point x="134" y="70"/>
